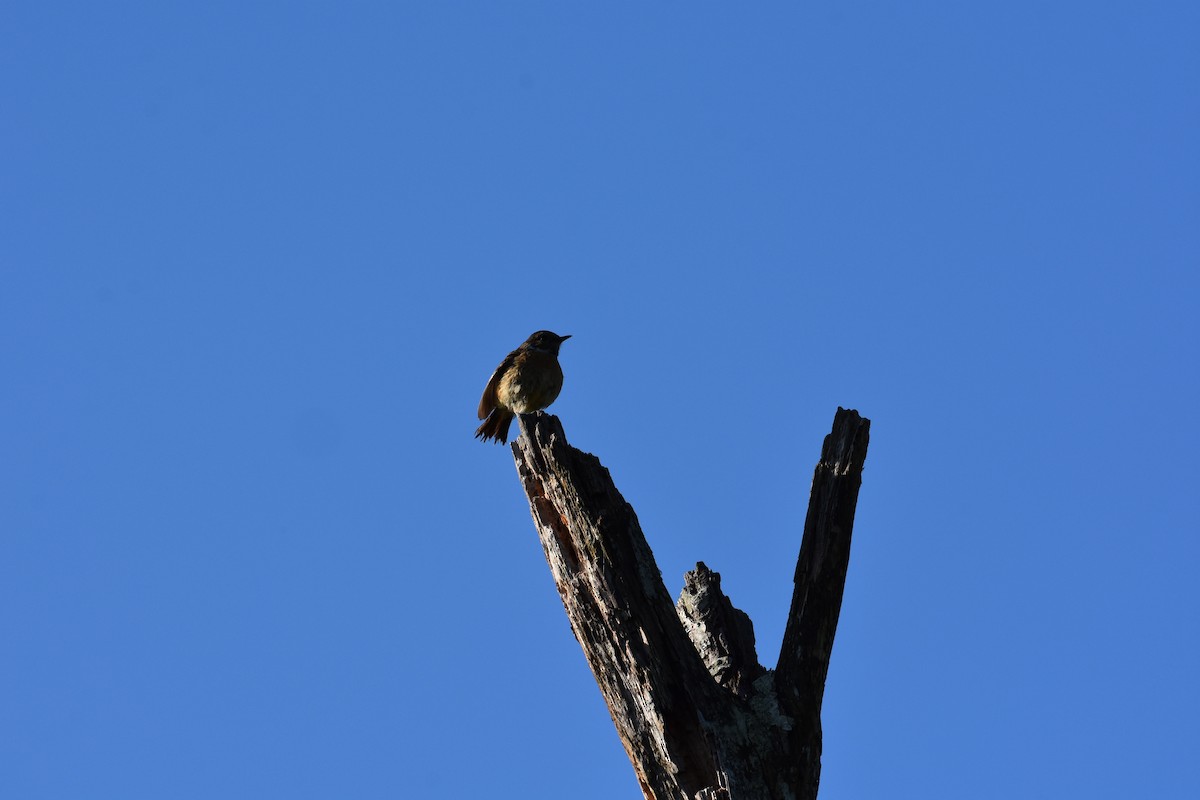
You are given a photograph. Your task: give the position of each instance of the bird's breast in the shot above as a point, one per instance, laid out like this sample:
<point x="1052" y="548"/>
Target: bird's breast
<point x="531" y="384"/>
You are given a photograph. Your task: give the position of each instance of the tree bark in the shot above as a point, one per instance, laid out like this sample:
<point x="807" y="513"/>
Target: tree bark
<point x="699" y="717"/>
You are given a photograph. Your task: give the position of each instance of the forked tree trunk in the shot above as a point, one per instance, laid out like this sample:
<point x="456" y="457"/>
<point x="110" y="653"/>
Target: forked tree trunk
<point x="699" y="717"/>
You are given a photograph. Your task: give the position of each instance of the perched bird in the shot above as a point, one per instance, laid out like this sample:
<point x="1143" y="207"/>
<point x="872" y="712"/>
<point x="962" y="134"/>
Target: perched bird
<point x="527" y="380"/>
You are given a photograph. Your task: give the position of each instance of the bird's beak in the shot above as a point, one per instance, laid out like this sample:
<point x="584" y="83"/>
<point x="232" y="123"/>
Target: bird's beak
<point x="562" y="339"/>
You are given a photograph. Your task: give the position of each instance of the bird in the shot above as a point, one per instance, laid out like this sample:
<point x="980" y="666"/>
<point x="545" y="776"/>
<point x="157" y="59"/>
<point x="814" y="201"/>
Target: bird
<point x="527" y="380"/>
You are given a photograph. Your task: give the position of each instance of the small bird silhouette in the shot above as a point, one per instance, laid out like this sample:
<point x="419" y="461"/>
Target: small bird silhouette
<point x="527" y="380"/>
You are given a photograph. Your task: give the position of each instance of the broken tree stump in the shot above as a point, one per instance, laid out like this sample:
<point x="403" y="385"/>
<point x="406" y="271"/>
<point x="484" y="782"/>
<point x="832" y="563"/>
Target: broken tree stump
<point x="699" y="717"/>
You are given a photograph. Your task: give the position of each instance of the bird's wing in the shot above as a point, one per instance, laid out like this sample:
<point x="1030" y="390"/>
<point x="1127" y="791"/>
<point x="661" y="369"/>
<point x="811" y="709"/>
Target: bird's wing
<point x="488" y="401"/>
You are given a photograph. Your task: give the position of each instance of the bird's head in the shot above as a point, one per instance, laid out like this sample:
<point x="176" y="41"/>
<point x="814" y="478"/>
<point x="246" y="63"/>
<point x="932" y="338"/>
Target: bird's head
<point x="546" y="341"/>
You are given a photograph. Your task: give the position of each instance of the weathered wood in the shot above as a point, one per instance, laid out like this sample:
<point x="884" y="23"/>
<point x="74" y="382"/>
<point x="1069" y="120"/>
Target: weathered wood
<point x="722" y="634"/>
<point x="699" y="717"/>
<point x="817" y="595"/>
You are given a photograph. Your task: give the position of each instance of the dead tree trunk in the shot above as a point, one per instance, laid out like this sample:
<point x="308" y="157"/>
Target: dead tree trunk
<point x="699" y="717"/>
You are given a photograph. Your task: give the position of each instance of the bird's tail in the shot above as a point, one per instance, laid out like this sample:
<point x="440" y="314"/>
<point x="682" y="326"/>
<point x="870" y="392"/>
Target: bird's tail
<point x="495" y="427"/>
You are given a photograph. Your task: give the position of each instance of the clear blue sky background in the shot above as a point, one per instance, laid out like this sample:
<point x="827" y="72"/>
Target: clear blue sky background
<point x="259" y="259"/>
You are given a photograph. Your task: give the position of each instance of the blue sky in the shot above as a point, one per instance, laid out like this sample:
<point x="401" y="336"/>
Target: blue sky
<point x="259" y="260"/>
